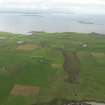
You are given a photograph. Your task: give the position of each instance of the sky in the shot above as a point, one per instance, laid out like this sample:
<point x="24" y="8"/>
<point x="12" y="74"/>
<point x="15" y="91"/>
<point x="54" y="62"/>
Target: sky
<point x="90" y="5"/>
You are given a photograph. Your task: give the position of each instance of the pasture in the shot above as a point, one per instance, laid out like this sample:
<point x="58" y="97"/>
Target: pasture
<point x="32" y="72"/>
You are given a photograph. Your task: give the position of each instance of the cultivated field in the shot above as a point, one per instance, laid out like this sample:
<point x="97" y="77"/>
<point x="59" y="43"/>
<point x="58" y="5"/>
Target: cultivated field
<point x="41" y="68"/>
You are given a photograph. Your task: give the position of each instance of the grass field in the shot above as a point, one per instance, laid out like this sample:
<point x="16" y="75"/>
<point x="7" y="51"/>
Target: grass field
<point x="38" y="62"/>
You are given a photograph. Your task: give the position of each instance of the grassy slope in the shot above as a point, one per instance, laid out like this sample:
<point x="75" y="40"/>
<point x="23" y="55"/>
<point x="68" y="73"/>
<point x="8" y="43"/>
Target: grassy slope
<point x="31" y="71"/>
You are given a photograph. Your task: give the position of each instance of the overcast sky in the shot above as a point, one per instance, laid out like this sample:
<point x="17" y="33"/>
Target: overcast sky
<point x="51" y="4"/>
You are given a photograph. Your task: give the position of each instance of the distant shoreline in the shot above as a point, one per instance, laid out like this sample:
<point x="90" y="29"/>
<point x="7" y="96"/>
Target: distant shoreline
<point x="39" y="32"/>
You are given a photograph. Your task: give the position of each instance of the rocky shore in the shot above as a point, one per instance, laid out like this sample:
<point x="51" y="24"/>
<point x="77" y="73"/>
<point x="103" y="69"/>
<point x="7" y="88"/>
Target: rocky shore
<point x="63" y="102"/>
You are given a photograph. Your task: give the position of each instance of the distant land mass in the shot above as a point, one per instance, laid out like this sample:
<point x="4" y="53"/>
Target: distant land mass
<point x="86" y="22"/>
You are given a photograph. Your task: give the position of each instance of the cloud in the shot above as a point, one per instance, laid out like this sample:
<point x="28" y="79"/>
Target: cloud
<point x="44" y="4"/>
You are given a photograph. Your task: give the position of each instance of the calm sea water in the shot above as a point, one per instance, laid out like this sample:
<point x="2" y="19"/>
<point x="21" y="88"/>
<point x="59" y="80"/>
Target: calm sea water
<point x="24" y="23"/>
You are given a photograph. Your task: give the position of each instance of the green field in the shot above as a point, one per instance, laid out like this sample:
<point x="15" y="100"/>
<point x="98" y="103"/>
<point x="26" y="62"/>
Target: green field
<point x="30" y="61"/>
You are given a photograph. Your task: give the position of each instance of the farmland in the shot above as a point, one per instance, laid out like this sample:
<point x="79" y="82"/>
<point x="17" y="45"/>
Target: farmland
<point x="36" y="69"/>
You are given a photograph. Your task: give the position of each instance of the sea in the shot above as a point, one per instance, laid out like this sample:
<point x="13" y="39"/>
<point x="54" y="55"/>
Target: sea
<point x="24" y="23"/>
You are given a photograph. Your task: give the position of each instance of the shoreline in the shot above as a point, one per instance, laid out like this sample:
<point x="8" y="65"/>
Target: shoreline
<point x="39" y="32"/>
